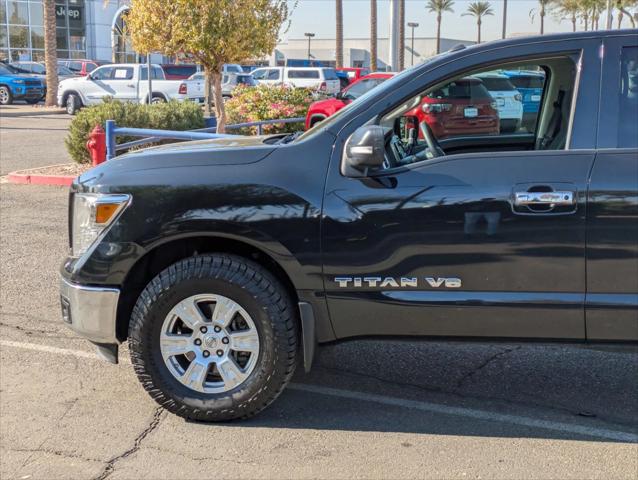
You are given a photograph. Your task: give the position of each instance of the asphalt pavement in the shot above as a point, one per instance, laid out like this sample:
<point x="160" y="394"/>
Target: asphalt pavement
<point x="369" y="409"/>
<point x="32" y="141"/>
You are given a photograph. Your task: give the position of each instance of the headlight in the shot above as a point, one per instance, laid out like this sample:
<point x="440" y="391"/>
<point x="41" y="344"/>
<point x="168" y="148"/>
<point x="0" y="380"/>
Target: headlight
<point x="92" y="215"/>
<point x="18" y="82"/>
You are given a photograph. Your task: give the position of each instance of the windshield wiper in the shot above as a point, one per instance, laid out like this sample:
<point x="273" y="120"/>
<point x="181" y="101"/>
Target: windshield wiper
<point x="291" y="137"/>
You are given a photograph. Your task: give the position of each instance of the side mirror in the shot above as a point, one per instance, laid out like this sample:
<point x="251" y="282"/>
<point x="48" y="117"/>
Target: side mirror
<point x="364" y="151"/>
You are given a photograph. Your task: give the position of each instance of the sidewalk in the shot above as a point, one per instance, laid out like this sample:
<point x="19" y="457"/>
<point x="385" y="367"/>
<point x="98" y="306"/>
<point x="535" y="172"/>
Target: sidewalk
<point x="22" y="110"/>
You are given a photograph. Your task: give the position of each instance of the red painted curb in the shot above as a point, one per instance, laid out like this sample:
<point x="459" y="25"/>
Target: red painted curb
<point x="24" y="178"/>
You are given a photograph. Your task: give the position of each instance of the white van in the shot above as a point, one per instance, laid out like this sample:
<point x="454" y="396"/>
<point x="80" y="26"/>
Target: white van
<point x="319" y="78"/>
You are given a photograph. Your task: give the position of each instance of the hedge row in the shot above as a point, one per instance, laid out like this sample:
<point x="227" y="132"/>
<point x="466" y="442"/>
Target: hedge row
<point x="166" y="116"/>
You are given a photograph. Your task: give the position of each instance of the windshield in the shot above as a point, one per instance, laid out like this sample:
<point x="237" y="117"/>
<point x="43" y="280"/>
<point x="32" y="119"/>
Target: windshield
<point x="386" y="86"/>
<point x="8" y="70"/>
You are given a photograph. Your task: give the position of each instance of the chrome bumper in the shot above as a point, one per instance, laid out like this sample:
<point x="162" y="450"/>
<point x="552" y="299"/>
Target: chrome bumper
<point x="90" y="311"/>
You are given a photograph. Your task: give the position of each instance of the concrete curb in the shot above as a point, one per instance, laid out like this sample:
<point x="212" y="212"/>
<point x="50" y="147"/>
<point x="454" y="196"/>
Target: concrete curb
<point x="35" y="112"/>
<point x="24" y="177"/>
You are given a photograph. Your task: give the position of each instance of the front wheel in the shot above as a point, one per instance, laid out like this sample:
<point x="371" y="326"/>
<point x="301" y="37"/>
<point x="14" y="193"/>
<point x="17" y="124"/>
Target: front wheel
<point x="72" y="104"/>
<point x="6" y="98"/>
<point x="214" y="337"/>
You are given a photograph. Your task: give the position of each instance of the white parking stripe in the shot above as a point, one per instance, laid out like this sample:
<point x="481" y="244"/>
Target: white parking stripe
<point x="396" y="402"/>
<point x="469" y="412"/>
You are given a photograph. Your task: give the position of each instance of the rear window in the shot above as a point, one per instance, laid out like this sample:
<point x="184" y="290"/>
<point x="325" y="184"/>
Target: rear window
<point x="304" y="74"/>
<point x="181" y="70"/>
<point x="528" y="81"/>
<point x="245" y="79"/>
<point x="496" y="84"/>
<point x="330" y="74"/>
<point x="463" y="89"/>
<point x="122" y="73"/>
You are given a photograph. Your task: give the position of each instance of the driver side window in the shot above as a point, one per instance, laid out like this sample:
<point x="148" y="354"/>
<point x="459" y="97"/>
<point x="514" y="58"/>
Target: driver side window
<point x="513" y="107"/>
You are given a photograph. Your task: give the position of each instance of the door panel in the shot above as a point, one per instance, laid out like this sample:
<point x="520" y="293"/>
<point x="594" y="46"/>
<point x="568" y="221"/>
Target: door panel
<point x="521" y="271"/>
<point x="612" y="248"/>
<point x="612" y="224"/>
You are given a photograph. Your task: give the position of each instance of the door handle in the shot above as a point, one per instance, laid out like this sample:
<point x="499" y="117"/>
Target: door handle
<point x="551" y="199"/>
<point x="132" y="85"/>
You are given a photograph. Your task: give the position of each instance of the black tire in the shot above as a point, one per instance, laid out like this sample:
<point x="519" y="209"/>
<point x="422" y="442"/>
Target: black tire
<point x="259" y="293"/>
<point x="157" y="98"/>
<point x="6" y="97"/>
<point x="72" y="104"/>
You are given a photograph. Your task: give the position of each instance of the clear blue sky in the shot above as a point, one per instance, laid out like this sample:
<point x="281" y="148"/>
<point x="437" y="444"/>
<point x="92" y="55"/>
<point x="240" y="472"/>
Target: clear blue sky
<point x="318" y="16"/>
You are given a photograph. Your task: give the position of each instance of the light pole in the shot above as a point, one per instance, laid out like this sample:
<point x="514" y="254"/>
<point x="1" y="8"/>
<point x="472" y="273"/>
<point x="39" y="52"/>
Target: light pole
<point x="412" y="25"/>
<point x="309" y="35"/>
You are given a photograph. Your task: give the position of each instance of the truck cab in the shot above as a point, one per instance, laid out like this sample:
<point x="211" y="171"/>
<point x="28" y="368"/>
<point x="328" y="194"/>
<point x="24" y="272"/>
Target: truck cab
<point x="223" y="263"/>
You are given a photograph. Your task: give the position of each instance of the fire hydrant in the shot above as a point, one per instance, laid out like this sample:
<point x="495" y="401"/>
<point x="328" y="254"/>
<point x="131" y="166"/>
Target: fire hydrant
<point x="97" y="145"/>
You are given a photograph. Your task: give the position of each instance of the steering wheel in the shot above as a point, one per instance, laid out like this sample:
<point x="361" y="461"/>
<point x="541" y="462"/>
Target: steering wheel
<point x="433" y="145"/>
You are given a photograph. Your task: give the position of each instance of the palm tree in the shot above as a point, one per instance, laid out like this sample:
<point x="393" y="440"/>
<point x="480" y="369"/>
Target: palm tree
<point x="401" y="34"/>
<point x="438" y="7"/>
<point x="541" y="11"/>
<point x="373" y="35"/>
<point x="479" y="10"/>
<point x="339" y="18"/>
<point x="568" y="10"/>
<point x="50" y="53"/>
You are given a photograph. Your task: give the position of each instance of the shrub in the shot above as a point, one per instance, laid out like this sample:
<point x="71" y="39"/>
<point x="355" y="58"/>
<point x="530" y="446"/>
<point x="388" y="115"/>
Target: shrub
<point x="172" y="115"/>
<point x="252" y="104"/>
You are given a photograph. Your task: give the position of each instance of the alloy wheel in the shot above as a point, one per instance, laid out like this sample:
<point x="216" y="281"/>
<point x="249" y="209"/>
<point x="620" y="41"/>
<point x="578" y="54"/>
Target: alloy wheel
<point x="209" y="343"/>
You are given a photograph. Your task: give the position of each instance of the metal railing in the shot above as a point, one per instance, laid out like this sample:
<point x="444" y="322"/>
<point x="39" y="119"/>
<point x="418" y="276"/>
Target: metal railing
<point x="152" y="135"/>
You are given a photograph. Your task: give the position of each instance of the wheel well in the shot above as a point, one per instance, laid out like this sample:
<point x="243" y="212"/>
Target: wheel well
<point x="155" y="95"/>
<point x="161" y="257"/>
<point x="319" y="117"/>
<point x="66" y="95"/>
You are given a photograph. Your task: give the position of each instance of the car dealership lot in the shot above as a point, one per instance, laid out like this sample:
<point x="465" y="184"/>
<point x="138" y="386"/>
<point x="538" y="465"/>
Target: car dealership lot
<point x="369" y="409"/>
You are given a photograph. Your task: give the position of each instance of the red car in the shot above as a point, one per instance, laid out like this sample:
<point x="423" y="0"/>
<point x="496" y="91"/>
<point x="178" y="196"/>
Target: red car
<point x="322" y="109"/>
<point x="81" y="67"/>
<point x="461" y="107"/>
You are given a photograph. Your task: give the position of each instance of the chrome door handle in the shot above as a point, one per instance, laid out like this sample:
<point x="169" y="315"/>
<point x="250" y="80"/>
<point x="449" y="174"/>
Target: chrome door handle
<point x="543" y="198"/>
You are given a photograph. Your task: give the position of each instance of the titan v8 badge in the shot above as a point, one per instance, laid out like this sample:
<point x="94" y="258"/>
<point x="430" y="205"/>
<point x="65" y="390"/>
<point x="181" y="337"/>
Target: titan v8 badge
<point x="401" y="282"/>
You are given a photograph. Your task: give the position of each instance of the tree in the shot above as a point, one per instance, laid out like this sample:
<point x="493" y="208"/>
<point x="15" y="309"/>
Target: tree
<point x="543" y="5"/>
<point x="623" y="7"/>
<point x="339" y="19"/>
<point x="211" y="33"/>
<point x="568" y="10"/>
<point x="50" y="53"/>
<point x="479" y="10"/>
<point x="438" y="7"/>
<point x="373" y="35"/>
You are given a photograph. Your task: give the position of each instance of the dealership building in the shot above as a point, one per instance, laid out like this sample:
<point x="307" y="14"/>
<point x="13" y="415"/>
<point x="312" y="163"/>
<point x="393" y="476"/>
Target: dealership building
<point x="85" y="29"/>
<point x="94" y="29"/>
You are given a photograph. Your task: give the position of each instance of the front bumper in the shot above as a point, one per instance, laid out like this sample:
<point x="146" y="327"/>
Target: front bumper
<point x="90" y="311"/>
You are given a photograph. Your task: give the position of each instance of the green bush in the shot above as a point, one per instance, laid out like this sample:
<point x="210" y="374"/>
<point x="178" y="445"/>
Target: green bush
<point x="166" y="116"/>
<point x="252" y="104"/>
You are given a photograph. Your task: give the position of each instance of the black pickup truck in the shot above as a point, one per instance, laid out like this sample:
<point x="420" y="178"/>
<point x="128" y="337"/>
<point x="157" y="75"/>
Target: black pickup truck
<point x="224" y="262"/>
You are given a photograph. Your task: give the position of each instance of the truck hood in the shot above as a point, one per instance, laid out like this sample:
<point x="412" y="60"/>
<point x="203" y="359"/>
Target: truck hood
<point x="232" y="150"/>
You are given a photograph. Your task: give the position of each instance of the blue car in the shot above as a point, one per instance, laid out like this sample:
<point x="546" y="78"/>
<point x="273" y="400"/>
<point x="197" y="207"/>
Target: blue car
<point x="530" y="85"/>
<point x="16" y="85"/>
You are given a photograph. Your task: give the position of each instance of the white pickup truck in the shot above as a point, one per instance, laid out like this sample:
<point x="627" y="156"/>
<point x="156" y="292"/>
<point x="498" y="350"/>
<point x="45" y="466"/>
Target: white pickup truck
<point x="127" y="82"/>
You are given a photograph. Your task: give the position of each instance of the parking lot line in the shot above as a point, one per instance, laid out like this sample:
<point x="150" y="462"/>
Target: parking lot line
<point x="394" y="401"/>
